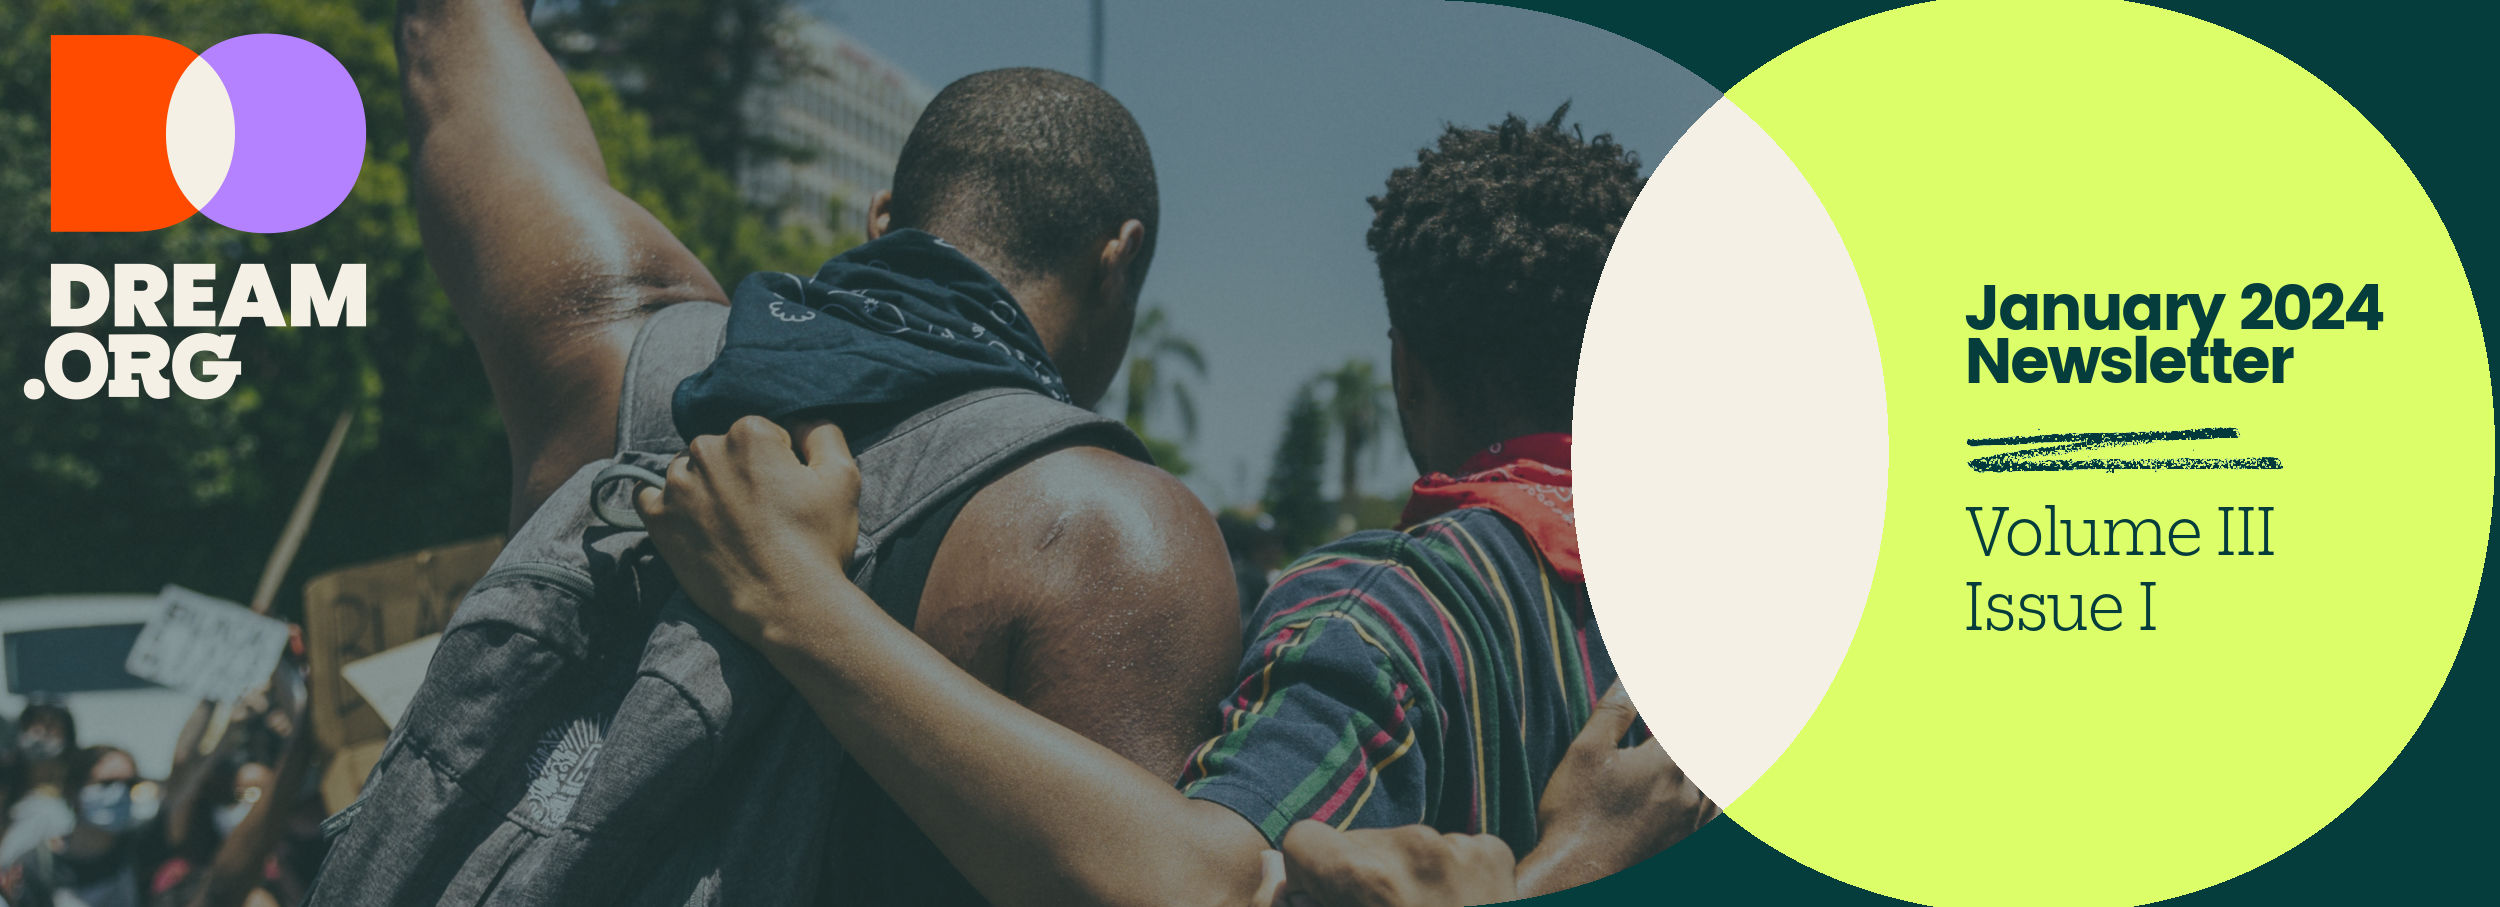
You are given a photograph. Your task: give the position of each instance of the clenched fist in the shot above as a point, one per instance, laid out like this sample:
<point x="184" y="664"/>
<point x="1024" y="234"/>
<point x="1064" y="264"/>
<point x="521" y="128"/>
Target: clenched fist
<point x="745" y="519"/>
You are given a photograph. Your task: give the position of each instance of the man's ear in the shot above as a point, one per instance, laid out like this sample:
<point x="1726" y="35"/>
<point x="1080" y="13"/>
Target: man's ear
<point x="1418" y="419"/>
<point x="880" y="213"/>
<point x="1406" y="379"/>
<point x="1118" y="258"/>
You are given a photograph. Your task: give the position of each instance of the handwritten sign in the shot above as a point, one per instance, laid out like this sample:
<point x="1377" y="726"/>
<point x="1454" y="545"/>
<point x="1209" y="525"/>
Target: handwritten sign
<point x="208" y="647"/>
<point x="358" y="612"/>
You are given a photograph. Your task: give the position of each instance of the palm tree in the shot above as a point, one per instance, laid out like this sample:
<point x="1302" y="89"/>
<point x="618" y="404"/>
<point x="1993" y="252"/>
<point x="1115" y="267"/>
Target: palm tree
<point x="1357" y="400"/>
<point x="1293" y="477"/>
<point x="1153" y="344"/>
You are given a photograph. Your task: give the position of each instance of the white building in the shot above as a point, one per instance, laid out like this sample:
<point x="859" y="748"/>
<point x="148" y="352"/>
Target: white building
<point x="848" y="111"/>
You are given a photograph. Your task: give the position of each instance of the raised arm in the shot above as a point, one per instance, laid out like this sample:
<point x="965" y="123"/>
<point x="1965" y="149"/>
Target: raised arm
<point x="549" y="268"/>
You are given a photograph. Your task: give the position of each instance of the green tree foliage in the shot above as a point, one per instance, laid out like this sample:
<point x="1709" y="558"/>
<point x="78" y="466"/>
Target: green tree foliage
<point x="1358" y="403"/>
<point x="688" y="64"/>
<point x="127" y="494"/>
<point x="1303" y="517"/>
<point x="1162" y="364"/>
<point x="698" y="202"/>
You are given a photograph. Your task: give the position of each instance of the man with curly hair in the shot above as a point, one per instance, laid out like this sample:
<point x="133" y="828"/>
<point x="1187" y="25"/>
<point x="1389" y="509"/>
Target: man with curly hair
<point x="1474" y="616"/>
<point x="1437" y="674"/>
<point x="1435" y="690"/>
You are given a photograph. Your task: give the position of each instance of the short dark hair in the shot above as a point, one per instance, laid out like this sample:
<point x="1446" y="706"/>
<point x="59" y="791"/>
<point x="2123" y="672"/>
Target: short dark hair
<point x="82" y="764"/>
<point x="49" y="711"/>
<point x="1490" y="247"/>
<point x="1031" y="166"/>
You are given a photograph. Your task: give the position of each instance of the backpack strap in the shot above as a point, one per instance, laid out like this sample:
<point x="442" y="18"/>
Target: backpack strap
<point x="961" y="444"/>
<point x="674" y="342"/>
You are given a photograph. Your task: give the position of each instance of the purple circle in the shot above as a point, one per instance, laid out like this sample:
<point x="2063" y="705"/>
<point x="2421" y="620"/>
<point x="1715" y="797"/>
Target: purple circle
<point x="299" y="133"/>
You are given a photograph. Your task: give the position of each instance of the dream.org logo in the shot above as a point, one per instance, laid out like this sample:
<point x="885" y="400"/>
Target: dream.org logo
<point x="262" y="133"/>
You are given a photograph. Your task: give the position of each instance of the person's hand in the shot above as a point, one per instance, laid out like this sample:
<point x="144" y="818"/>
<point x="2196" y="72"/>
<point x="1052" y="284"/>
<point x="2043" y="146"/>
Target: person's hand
<point x="1271" y="890"/>
<point x="279" y="723"/>
<point x="1609" y="806"/>
<point x="252" y="704"/>
<point x="744" y="521"/>
<point x="1414" y="866"/>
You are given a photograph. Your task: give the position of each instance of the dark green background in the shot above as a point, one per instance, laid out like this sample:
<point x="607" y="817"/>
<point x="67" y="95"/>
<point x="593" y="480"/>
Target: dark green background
<point x="2421" y="73"/>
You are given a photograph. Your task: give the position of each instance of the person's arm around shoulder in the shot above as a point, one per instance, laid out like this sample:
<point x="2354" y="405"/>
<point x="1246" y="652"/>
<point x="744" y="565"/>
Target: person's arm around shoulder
<point x="1030" y="811"/>
<point x="1408" y="866"/>
<point x="1607" y="808"/>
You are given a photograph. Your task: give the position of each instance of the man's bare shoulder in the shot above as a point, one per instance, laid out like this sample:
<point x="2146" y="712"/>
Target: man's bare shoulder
<point x="1079" y="530"/>
<point x="1095" y="590"/>
<point x="1093" y="513"/>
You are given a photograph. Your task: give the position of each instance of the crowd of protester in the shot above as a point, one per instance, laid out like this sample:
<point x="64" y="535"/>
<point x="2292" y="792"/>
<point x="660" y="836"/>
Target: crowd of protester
<point x="236" y="821"/>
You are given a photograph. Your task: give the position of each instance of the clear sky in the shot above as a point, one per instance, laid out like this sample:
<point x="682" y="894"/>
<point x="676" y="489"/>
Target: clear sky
<point x="1271" y="122"/>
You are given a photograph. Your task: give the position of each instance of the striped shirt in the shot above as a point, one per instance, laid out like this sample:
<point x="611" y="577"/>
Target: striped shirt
<point x="1433" y="676"/>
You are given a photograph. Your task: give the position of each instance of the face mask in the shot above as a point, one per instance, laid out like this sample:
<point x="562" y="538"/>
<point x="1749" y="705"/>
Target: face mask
<point x="39" y="746"/>
<point x="231" y="815"/>
<point x="106" y="805"/>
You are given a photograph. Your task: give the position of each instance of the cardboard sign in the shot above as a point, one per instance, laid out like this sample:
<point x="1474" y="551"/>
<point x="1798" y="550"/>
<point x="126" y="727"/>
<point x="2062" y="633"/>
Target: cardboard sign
<point x="345" y="778"/>
<point x="208" y="647"/>
<point x="357" y="612"/>
<point x="389" y="680"/>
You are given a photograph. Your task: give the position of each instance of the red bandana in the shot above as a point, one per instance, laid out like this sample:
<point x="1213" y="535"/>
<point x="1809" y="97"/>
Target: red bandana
<point x="1527" y="479"/>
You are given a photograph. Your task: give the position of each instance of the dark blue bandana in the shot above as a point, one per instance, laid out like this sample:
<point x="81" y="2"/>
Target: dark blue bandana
<point x="881" y="332"/>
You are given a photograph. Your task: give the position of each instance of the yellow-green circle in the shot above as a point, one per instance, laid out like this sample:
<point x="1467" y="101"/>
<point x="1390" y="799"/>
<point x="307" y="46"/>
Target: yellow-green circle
<point x="2100" y="147"/>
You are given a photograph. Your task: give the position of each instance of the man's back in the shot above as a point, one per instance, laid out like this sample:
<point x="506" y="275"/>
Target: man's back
<point x="1087" y="585"/>
<point x="1090" y="587"/>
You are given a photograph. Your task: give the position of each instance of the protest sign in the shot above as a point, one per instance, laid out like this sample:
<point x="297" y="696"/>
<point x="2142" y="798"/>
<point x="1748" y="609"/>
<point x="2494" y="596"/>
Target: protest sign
<point x="389" y="680"/>
<point x="357" y="612"/>
<point x="208" y="647"/>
